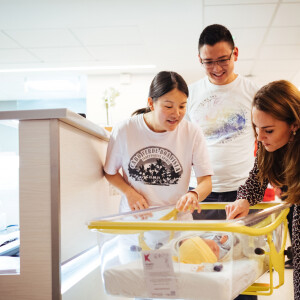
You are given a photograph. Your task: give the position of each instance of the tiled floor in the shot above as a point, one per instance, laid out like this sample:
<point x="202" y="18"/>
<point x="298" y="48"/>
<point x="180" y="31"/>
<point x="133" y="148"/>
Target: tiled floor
<point x="284" y="292"/>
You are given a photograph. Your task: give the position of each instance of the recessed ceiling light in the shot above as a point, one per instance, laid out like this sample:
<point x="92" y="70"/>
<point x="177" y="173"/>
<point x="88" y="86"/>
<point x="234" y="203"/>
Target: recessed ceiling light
<point x="83" y="68"/>
<point x="51" y="85"/>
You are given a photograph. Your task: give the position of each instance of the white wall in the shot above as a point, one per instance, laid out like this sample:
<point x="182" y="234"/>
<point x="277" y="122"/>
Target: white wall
<point x="132" y="96"/>
<point x="9" y="174"/>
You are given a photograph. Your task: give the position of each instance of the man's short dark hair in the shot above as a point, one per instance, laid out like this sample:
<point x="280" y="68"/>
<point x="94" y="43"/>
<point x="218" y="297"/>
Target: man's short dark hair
<point x="213" y="34"/>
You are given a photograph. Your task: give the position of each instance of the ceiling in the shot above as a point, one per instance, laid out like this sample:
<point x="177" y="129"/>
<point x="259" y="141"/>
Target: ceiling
<point x="46" y="35"/>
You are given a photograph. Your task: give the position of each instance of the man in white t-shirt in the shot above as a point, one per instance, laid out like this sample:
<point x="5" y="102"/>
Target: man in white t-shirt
<point x="221" y="104"/>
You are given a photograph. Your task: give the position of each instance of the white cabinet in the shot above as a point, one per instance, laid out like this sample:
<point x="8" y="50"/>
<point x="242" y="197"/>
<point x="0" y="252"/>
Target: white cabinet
<point x="61" y="187"/>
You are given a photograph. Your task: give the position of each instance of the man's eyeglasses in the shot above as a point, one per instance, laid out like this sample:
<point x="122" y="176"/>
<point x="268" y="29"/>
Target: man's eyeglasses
<point x="221" y="62"/>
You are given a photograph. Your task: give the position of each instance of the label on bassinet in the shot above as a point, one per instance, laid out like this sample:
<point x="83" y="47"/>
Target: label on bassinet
<point x="159" y="273"/>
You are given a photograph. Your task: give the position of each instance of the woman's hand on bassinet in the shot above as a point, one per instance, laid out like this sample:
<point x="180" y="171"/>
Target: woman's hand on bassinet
<point x="135" y="200"/>
<point x="237" y="209"/>
<point x="189" y="202"/>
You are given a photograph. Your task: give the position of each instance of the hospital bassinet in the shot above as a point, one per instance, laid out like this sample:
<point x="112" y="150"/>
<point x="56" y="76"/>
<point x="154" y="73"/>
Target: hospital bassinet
<point x="140" y="257"/>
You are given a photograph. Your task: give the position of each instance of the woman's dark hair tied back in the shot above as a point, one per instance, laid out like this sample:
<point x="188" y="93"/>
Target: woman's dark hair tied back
<point x="166" y="81"/>
<point x="163" y="83"/>
<point x="141" y="111"/>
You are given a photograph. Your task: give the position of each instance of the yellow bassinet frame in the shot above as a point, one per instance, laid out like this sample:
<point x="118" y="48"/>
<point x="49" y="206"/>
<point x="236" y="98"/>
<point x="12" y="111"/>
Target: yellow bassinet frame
<point x="265" y="227"/>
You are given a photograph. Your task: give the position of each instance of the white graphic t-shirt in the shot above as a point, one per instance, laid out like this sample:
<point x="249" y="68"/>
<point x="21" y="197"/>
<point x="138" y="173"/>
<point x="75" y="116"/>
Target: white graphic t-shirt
<point x="224" y="114"/>
<point x="157" y="165"/>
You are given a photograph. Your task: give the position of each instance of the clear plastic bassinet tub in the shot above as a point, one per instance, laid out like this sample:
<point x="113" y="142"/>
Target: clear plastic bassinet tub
<point x="158" y="253"/>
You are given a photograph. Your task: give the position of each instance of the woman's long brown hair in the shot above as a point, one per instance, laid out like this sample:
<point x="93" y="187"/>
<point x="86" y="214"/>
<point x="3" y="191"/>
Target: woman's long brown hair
<point x="281" y="100"/>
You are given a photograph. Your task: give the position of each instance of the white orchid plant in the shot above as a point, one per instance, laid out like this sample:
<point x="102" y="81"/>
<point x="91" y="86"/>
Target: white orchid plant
<point x="109" y="97"/>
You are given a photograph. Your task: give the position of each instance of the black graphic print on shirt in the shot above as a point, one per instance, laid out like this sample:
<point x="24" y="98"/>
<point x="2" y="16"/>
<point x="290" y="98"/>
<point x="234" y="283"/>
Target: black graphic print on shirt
<point x="155" y="166"/>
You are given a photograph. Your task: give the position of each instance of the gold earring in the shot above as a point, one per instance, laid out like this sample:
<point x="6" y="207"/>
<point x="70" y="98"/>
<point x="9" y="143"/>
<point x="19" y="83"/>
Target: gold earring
<point x="294" y="132"/>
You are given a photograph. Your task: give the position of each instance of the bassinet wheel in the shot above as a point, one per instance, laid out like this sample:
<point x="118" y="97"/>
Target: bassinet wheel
<point x="289" y="252"/>
<point x="259" y="251"/>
